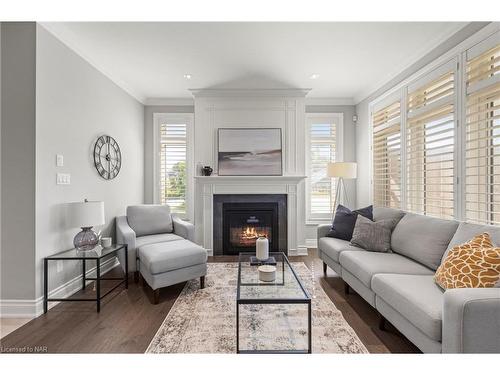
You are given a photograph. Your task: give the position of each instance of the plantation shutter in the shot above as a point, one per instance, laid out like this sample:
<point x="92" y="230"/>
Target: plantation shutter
<point x="430" y="144"/>
<point x="387" y="156"/>
<point x="173" y="153"/>
<point x="322" y="150"/>
<point x="482" y="138"/>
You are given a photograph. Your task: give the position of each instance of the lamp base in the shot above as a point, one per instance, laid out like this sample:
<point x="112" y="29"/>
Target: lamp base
<point x="86" y="240"/>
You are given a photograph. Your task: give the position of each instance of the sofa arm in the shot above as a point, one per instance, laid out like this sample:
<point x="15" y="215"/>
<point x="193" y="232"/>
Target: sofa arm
<point x="183" y="228"/>
<point x="126" y="235"/>
<point x="471" y="320"/>
<point x="323" y="230"/>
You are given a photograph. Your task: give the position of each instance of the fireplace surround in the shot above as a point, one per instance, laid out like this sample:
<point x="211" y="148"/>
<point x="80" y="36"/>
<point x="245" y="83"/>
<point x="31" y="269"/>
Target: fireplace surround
<point x="238" y="220"/>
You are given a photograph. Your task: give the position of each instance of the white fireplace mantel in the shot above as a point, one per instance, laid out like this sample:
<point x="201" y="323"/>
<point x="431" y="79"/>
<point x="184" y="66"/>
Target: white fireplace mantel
<point x="267" y="107"/>
<point x="246" y="179"/>
<point x="292" y="186"/>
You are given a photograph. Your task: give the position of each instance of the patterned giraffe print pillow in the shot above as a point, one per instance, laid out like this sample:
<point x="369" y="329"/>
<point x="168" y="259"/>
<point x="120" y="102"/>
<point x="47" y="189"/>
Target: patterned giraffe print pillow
<point x="474" y="264"/>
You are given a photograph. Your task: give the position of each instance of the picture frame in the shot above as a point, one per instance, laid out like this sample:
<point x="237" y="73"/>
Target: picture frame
<point x="250" y="152"/>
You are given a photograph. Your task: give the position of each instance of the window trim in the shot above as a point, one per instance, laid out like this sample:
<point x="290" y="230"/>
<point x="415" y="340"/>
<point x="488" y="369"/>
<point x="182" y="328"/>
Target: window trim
<point x="188" y="119"/>
<point x="339" y="146"/>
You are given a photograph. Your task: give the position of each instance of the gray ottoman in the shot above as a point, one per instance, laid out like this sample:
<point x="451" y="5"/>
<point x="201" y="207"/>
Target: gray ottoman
<point x="167" y="263"/>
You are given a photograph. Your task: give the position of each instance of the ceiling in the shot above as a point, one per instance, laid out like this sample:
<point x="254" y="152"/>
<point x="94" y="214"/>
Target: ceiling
<point x="149" y="60"/>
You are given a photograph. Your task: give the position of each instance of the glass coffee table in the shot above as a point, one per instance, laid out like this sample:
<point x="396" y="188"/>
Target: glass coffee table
<point x="287" y="289"/>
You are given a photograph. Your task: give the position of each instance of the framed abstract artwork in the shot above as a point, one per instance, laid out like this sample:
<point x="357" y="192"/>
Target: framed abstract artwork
<point x="250" y="152"/>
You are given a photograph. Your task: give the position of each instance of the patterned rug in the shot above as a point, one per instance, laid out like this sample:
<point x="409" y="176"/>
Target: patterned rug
<point x="203" y="321"/>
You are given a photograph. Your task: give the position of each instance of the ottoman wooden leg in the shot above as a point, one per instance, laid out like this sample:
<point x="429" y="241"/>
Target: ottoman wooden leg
<point x="202" y="282"/>
<point x="136" y="277"/>
<point x="156" y="296"/>
<point x="324" y="268"/>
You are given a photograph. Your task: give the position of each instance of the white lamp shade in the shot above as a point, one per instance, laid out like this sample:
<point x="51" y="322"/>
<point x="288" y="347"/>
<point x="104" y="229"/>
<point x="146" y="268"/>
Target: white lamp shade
<point x="85" y="214"/>
<point x="344" y="170"/>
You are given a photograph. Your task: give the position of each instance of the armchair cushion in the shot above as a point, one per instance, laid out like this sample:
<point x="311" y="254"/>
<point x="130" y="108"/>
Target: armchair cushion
<point x="155" y="238"/>
<point x="150" y="219"/>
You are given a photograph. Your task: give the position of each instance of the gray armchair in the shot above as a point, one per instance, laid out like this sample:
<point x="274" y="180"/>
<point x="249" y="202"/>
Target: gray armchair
<point x="161" y="247"/>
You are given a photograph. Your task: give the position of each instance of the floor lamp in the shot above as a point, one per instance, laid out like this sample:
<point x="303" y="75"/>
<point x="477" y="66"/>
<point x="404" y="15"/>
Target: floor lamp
<point x="341" y="171"/>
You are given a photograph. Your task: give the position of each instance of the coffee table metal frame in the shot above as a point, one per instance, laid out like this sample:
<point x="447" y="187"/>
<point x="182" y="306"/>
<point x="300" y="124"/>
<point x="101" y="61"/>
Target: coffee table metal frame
<point x="273" y="301"/>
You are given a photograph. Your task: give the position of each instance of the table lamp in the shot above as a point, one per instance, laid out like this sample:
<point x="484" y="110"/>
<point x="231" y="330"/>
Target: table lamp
<point x="341" y="171"/>
<point x="85" y="215"/>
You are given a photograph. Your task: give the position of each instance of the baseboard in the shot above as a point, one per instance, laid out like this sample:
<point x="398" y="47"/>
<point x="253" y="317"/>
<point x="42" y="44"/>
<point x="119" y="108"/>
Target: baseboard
<point x="12" y="308"/>
<point x="312" y="243"/>
<point x="301" y="250"/>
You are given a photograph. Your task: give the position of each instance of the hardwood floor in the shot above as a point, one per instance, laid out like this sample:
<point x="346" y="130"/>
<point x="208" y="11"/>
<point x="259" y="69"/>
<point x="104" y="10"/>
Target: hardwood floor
<point x="128" y="320"/>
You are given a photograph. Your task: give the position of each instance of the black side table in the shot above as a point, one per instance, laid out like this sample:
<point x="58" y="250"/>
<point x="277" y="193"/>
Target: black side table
<point x="97" y="254"/>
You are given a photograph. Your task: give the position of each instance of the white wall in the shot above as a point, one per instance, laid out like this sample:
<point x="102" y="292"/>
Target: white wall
<point x="75" y="104"/>
<point x="363" y="182"/>
<point x="18" y="161"/>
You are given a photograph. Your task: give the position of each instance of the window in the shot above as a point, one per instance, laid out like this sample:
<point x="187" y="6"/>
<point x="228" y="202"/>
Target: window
<point x="387" y="156"/>
<point x="173" y="162"/>
<point x="436" y="136"/>
<point x="323" y="134"/>
<point x="482" y="138"/>
<point x="430" y="147"/>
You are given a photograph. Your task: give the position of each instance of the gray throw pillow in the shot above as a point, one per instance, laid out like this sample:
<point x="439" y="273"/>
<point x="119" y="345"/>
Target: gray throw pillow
<point x="373" y="235"/>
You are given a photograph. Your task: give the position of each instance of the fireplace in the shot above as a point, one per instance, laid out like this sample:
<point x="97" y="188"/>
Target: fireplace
<point x="239" y="219"/>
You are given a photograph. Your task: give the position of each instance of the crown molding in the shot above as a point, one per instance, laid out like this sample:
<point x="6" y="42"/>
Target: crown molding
<point x="169" y="101"/>
<point x="417" y="57"/>
<point x="330" y="101"/>
<point x="211" y="93"/>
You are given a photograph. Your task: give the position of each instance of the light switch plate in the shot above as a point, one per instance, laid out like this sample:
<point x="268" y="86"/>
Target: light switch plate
<point x="63" y="179"/>
<point x="59" y="160"/>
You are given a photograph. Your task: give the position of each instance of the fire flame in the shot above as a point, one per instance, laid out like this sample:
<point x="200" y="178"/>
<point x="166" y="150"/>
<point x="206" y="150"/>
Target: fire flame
<point x="251" y="233"/>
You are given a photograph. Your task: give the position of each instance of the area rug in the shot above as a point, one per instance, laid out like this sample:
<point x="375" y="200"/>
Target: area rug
<point x="204" y="320"/>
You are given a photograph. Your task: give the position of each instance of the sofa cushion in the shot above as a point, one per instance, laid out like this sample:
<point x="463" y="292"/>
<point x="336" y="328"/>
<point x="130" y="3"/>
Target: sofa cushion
<point x="149" y="219"/>
<point x="416" y="297"/>
<point x="365" y="264"/>
<point x="387" y="213"/>
<point x="345" y="220"/>
<point x="155" y="238"/>
<point x="423" y="238"/>
<point x="334" y="246"/>
<point x="466" y="231"/>
<point x="168" y="256"/>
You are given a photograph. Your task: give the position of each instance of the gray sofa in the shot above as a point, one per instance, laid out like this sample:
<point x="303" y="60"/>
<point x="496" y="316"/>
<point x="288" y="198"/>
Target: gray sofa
<point x="400" y="284"/>
<point x="160" y="247"/>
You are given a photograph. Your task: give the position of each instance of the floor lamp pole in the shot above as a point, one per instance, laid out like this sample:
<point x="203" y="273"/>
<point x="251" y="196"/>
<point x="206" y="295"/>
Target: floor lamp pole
<point x="340" y="190"/>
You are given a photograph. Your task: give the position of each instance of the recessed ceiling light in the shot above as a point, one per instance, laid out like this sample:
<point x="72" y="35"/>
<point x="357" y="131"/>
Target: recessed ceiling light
<point x="188" y="76"/>
<point x="314" y="76"/>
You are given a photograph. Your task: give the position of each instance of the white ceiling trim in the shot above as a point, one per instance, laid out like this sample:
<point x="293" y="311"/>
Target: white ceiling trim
<point x="330" y="101"/>
<point x="291" y="92"/>
<point x="169" y="101"/>
<point x="419" y="54"/>
<point x="139" y="97"/>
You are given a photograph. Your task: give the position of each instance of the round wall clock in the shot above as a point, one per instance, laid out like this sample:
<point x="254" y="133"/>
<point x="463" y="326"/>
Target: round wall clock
<point x="107" y="157"/>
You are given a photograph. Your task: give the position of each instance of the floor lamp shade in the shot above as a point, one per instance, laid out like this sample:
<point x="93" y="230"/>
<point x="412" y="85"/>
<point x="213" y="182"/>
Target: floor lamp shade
<point x="85" y="215"/>
<point x="347" y="170"/>
<point x="341" y="171"/>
